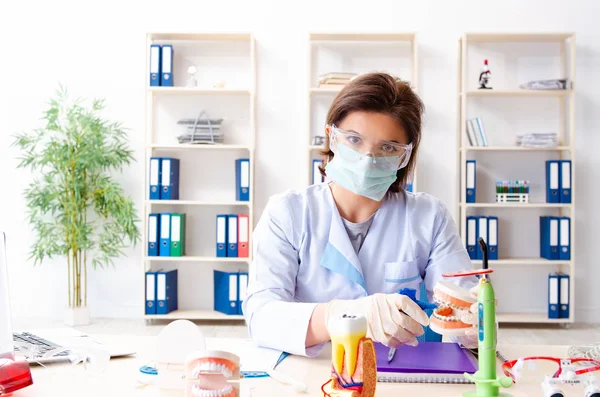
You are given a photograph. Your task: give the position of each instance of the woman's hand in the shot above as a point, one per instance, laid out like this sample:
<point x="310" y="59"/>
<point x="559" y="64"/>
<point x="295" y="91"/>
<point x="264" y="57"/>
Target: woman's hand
<point x="392" y="319"/>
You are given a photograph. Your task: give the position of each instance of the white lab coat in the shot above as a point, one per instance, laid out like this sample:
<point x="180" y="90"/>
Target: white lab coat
<point x="302" y="256"/>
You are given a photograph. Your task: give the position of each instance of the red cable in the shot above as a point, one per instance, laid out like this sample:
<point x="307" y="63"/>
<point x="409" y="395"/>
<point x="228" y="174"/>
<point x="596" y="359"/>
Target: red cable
<point x="325" y="394"/>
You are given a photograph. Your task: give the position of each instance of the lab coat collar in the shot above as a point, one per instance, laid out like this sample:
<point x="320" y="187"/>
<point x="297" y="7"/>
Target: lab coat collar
<point x="339" y="255"/>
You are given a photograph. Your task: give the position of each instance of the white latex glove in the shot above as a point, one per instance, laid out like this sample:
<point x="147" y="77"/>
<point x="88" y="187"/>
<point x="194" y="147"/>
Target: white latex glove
<point x="392" y="319"/>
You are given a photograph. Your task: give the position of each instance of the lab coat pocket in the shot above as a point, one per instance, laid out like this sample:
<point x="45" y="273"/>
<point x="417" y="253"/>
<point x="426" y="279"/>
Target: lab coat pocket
<point x="400" y="275"/>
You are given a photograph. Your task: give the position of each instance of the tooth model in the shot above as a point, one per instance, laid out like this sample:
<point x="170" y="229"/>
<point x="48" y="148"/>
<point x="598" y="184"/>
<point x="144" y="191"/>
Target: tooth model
<point x="354" y="364"/>
<point x="452" y="317"/>
<point x="210" y="374"/>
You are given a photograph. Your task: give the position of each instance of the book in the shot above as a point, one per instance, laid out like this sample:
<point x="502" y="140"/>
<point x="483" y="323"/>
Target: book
<point x="428" y="362"/>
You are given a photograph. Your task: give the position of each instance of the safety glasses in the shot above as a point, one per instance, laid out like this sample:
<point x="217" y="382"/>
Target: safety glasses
<point x="386" y="154"/>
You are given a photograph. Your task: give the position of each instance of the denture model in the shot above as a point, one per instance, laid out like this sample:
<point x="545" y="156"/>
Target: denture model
<point x="452" y="317"/>
<point x="354" y="364"/>
<point x="212" y="373"/>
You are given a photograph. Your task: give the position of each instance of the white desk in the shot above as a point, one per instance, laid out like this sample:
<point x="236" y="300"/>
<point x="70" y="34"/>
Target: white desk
<point x="119" y="379"/>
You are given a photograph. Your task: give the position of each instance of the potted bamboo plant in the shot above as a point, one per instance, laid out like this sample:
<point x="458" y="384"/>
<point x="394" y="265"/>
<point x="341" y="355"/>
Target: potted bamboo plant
<point x="75" y="207"/>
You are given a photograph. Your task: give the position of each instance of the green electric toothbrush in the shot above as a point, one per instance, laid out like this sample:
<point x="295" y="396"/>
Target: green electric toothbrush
<point x="486" y="379"/>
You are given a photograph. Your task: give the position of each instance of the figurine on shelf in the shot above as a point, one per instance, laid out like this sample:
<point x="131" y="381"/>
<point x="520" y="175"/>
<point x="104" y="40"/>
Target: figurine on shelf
<point x="192" y="82"/>
<point x="484" y="77"/>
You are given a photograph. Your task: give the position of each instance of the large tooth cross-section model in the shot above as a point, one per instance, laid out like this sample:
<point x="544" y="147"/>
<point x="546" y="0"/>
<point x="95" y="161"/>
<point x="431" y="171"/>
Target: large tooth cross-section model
<point x="354" y="365"/>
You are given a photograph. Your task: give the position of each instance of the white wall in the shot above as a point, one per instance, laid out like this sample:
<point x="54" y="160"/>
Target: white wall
<point x="100" y="51"/>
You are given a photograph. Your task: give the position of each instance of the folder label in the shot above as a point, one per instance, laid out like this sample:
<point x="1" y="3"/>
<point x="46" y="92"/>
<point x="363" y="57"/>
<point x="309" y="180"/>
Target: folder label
<point x="554" y="175"/>
<point x="243" y="227"/>
<point x="150" y="293"/>
<point x="553" y="232"/>
<point x="245" y="177"/>
<point x="175" y="228"/>
<point x="164" y="222"/>
<point x="564" y="232"/>
<point x="233" y="288"/>
<point x="221" y="235"/>
<point x="232" y="230"/>
<point x="161" y="287"/>
<point x="564" y="290"/>
<point x="553" y="298"/>
<point x="155" y="60"/>
<point x="493" y="237"/>
<point x="472" y="237"/>
<point x="243" y="286"/>
<point x="483" y="233"/>
<point x="152" y="230"/>
<point x="221" y="230"/>
<point x="166" y="172"/>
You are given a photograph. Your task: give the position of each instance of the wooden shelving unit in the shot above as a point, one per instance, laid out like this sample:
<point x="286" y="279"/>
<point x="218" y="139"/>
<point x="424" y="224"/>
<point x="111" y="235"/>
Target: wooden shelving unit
<point x="202" y="194"/>
<point x="467" y="92"/>
<point x="343" y="49"/>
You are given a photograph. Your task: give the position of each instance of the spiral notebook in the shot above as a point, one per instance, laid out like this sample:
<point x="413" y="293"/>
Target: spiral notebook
<point x="428" y="362"/>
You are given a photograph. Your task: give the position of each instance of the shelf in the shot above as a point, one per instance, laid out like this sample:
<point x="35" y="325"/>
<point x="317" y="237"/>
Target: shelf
<point x="195" y="259"/>
<point x="522" y="261"/>
<point x="183" y="36"/>
<point x="517" y="37"/>
<point x="529" y="318"/>
<point x="362" y="36"/>
<point x="515" y="148"/>
<point x="196" y="91"/>
<point x="516" y="205"/>
<point x="194" y="202"/>
<point x="545" y="93"/>
<point x="188" y="146"/>
<point x="194" y="315"/>
<point x="325" y="90"/>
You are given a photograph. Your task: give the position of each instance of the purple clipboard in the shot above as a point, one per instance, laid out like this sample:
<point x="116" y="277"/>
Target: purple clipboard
<point x="427" y="357"/>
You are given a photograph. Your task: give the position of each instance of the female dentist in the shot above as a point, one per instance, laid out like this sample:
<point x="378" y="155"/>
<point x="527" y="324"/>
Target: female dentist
<point x="350" y="244"/>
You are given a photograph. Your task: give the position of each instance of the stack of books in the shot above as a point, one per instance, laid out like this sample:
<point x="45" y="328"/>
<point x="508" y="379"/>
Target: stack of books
<point x="335" y="80"/>
<point x="537" y="139"/>
<point x="551" y="84"/>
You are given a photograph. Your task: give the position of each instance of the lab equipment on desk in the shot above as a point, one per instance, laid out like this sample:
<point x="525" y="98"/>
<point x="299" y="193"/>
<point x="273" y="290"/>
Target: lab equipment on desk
<point x="486" y="380"/>
<point x="212" y="373"/>
<point x="353" y="360"/>
<point x="14" y="373"/>
<point x="571" y="371"/>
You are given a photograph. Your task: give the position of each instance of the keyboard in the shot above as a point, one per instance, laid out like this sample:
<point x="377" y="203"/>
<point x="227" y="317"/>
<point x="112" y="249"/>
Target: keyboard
<point x="37" y="346"/>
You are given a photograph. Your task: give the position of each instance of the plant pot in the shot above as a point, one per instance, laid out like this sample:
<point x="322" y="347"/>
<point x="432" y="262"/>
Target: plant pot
<point x="77" y="316"/>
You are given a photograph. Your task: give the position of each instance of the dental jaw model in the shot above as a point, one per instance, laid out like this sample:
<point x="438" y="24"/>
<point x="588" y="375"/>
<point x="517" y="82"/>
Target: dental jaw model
<point x="184" y="364"/>
<point x="212" y="374"/>
<point x="354" y="364"/>
<point x="452" y="317"/>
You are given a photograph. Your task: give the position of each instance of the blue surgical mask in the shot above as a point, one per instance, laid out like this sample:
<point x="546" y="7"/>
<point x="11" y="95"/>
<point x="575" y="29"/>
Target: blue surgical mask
<point x="358" y="173"/>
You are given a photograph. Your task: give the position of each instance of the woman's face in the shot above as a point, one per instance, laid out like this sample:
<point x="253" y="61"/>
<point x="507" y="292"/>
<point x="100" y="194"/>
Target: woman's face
<point x="375" y="126"/>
